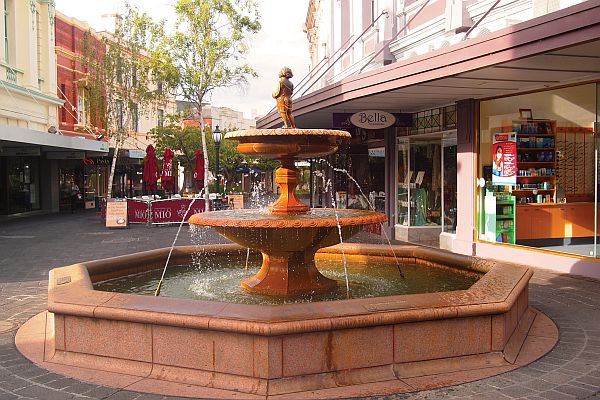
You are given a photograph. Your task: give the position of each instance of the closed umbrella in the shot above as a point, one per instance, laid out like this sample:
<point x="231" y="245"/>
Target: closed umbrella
<point x="199" y="170"/>
<point x="166" y="177"/>
<point x="150" y="170"/>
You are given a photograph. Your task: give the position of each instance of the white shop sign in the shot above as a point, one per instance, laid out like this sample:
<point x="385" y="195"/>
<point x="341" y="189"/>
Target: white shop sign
<point x="372" y="119"/>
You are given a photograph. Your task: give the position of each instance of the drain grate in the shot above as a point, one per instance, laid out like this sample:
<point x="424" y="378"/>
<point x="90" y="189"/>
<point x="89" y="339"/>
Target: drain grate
<point x="8" y="326"/>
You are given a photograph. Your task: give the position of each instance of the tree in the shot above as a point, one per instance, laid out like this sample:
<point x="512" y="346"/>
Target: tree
<point x="185" y="141"/>
<point x="205" y="52"/>
<point x="119" y="81"/>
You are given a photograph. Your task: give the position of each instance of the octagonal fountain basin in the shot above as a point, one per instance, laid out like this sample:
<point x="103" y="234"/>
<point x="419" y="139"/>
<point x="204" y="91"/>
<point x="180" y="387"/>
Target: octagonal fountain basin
<point x="316" y="349"/>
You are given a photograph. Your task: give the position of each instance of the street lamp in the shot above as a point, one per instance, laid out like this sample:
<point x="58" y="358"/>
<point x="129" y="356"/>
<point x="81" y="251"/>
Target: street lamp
<point x="217" y="139"/>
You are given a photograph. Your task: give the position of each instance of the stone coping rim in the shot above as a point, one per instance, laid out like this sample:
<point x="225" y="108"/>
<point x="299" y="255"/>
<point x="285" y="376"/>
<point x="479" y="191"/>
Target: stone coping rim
<point x="208" y="219"/>
<point x="247" y="133"/>
<point x="494" y="293"/>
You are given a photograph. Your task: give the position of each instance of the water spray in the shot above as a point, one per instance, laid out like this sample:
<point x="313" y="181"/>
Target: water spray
<point x="157" y="292"/>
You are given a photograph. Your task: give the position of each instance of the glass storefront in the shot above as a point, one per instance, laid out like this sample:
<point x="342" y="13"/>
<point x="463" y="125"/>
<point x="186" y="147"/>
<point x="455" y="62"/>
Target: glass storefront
<point x="537" y="170"/>
<point x="426" y="186"/>
<point x="21" y="178"/>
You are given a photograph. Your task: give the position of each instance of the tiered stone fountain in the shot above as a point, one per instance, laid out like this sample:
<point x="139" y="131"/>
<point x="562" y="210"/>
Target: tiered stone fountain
<point x="346" y="348"/>
<point x="289" y="233"/>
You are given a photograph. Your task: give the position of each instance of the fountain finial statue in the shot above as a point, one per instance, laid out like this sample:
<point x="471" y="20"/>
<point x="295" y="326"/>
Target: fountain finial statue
<point x="283" y="95"/>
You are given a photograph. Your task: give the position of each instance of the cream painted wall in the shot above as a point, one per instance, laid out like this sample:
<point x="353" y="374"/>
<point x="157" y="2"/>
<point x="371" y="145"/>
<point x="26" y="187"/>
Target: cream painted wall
<point x="28" y="77"/>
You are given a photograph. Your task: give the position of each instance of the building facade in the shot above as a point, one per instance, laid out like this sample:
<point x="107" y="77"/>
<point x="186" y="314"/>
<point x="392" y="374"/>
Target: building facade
<point x="474" y="123"/>
<point x="224" y="117"/>
<point x="75" y="120"/>
<point x="31" y="144"/>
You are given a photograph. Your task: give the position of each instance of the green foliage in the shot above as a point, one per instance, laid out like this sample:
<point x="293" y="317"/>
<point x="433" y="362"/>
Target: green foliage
<point x="119" y="81"/>
<point x="205" y="51"/>
<point x="185" y="141"/>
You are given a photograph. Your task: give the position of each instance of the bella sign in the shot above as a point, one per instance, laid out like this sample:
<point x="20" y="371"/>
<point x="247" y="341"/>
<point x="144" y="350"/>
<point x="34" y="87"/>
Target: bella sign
<point x="372" y="119"/>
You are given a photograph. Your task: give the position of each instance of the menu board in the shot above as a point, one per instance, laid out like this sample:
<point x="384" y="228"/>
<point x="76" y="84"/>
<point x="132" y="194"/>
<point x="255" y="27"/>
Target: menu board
<point x="504" y="159"/>
<point x="116" y="213"/>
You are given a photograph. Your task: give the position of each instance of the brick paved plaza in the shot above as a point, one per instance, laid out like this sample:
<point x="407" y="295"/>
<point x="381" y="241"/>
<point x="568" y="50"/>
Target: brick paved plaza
<point x="29" y="248"/>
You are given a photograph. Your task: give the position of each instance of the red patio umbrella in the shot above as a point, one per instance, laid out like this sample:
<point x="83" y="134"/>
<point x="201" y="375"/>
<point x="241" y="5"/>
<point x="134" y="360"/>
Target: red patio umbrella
<point x="199" y="171"/>
<point x="150" y="170"/>
<point x="167" y="178"/>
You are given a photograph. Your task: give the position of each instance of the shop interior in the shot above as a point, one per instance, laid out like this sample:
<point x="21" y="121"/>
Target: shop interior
<point x="551" y="201"/>
<point x="426" y="187"/>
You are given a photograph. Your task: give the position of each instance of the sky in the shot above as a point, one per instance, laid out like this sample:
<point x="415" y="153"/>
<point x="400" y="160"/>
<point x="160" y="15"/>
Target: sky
<point x="281" y="42"/>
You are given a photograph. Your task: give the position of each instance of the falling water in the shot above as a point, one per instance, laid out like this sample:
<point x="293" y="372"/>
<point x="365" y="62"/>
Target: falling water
<point x="157" y="292"/>
<point x="371" y="207"/>
<point x="328" y="186"/>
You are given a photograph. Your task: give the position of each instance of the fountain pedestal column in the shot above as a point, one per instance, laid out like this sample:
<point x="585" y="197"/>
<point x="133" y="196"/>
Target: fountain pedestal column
<point x="288" y="274"/>
<point x="287" y="178"/>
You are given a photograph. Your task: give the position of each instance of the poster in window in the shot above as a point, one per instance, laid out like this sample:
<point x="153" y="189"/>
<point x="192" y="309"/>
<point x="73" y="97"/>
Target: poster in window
<point x="504" y="159"/>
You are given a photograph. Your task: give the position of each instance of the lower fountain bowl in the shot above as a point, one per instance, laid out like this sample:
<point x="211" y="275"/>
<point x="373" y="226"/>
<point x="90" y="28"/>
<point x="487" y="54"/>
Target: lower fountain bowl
<point x="344" y="348"/>
<point x="288" y="244"/>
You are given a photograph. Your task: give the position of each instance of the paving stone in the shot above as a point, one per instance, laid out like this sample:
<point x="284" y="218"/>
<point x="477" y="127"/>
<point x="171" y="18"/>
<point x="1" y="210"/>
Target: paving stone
<point x="554" y="395"/>
<point x="576" y="391"/>
<point x="124" y="395"/>
<point x="570" y="371"/>
<point x="517" y="391"/>
<point x="39" y="392"/>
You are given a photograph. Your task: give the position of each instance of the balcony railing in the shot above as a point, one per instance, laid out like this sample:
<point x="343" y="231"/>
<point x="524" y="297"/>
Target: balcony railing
<point x="12" y="74"/>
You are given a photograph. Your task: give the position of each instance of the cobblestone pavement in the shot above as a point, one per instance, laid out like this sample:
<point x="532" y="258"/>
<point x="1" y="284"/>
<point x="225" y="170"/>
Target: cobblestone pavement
<point x="29" y="248"/>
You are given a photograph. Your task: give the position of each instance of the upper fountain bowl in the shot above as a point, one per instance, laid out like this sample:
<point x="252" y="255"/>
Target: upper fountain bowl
<point x="288" y="143"/>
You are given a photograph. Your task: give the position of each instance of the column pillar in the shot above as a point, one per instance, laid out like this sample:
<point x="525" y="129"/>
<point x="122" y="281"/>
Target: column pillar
<point x="466" y="124"/>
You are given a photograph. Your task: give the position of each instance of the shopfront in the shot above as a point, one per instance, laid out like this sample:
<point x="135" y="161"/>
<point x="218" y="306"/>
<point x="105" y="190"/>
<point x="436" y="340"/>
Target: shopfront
<point x="512" y="172"/>
<point x="358" y="171"/>
<point x="547" y="197"/>
<point x="426" y="178"/>
<point x="20" y="175"/>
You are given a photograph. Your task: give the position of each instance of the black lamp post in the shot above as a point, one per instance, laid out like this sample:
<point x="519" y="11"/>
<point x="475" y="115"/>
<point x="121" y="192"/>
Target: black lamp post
<point x="217" y="139"/>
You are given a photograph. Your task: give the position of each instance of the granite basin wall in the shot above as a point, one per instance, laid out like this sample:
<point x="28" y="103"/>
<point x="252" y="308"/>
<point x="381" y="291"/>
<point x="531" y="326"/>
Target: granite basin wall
<point x="289" y="348"/>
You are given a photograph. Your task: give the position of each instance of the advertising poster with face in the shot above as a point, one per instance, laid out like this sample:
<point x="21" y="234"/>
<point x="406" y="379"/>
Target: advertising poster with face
<point x="504" y="159"/>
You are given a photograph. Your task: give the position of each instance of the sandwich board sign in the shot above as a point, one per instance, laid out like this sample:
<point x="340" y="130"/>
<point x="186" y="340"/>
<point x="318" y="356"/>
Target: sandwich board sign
<point x="116" y="213"/>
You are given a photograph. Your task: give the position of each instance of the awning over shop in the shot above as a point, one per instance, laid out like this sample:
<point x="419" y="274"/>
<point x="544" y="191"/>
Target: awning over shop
<point x="556" y="49"/>
<point x="21" y="138"/>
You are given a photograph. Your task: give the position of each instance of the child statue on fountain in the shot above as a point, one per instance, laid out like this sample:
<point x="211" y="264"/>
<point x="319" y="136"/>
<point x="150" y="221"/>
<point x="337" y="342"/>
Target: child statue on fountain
<point x="283" y="95"/>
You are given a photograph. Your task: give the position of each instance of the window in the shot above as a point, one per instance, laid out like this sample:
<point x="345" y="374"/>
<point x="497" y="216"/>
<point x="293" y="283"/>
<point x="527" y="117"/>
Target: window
<point x="83" y="112"/>
<point x="134" y="118"/>
<point x="6" y="31"/>
<point x="63" y="109"/>
<point x="120" y="115"/>
<point x="38" y="40"/>
<point x="346" y="22"/>
<point x="537" y="170"/>
<point x="368" y="13"/>
<point x="161" y="118"/>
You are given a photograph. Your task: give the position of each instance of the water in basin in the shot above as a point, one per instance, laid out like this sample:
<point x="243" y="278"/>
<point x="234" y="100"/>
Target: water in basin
<point x="219" y="280"/>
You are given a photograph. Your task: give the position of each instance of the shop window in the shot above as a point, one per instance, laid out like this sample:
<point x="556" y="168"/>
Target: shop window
<point x="419" y="181"/>
<point x="537" y="170"/>
<point x="23" y="184"/>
